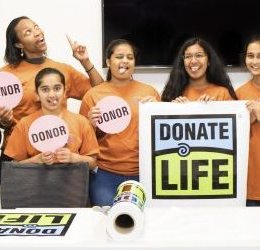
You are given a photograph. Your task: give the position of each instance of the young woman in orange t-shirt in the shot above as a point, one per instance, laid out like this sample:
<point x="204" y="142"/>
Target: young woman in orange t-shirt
<point x="25" y="54"/>
<point x="118" y="160"/>
<point x="82" y="144"/>
<point x="198" y="75"/>
<point x="251" y="91"/>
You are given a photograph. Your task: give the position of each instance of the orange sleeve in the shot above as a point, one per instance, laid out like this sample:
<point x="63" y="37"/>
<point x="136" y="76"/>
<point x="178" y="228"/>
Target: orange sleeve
<point x="77" y="83"/>
<point x="89" y="141"/>
<point x="226" y="96"/>
<point x="243" y="92"/>
<point x="86" y="104"/>
<point x="16" y="144"/>
<point x="157" y="96"/>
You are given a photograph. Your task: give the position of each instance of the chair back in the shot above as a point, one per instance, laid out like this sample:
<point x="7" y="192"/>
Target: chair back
<point x="41" y="185"/>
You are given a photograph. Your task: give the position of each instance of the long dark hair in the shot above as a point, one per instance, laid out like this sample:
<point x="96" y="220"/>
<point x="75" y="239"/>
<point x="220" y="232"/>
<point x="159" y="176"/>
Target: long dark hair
<point x="110" y="50"/>
<point x="179" y="78"/>
<point x="12" y="53"/>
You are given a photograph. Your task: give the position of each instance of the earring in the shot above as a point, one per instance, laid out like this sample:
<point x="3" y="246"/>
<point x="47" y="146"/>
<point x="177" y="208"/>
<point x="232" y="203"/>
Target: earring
<point x="21" y="53"/>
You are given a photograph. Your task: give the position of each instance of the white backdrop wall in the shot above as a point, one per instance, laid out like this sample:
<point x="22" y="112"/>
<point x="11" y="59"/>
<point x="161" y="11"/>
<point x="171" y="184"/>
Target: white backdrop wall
<point x="82" y="20"/>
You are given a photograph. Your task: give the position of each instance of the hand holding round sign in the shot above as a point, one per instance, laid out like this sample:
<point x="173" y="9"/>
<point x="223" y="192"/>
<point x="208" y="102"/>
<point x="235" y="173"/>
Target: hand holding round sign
<point x="48" y="133"/>
<point x="115" y="114"/>
<point x="11" y="91"/>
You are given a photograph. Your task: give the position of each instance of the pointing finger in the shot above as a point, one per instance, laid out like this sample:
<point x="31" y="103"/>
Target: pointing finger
<point x="70" y="41"/>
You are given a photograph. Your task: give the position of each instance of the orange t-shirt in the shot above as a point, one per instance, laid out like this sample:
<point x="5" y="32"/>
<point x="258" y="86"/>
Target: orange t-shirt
<point x="77" y="84"/>
<point x="119" y="153"/>
<point x="249" y="91"/>
<point x="82" y="138"/>
<point x="220" y="93"/>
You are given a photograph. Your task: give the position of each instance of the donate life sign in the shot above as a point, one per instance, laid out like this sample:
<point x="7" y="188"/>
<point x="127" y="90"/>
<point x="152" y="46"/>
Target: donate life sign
<point x="35" y="224"/>
<point x="197" y="153"/>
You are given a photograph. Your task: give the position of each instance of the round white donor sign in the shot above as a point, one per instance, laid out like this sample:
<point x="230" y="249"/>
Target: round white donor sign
<point x="48" y="133"/>
<point x="11" y="91"/>
<point x="115" y="114"/>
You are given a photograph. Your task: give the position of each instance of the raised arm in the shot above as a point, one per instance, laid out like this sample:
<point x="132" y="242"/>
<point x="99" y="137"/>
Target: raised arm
<point x="81" y="54"/>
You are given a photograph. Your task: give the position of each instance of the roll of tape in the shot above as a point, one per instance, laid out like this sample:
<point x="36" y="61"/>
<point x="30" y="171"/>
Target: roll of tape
<point x="125" y="219"/>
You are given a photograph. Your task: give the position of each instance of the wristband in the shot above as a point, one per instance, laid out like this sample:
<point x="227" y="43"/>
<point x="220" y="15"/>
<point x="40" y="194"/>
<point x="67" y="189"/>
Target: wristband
<point x="90" y="69"/>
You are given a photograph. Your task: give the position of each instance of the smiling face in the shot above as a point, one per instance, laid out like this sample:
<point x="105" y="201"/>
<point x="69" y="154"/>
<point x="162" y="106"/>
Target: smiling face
<point x="253" y="58"/>
<point x="122" y="62"/>
<point x="31" y="38"/>
<point x="51" y="93"/>
<point x="195" y="62"/>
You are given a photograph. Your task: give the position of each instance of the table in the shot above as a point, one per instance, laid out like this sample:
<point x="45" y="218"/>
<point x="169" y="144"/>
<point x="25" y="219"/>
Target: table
<point x="165" y="228"/>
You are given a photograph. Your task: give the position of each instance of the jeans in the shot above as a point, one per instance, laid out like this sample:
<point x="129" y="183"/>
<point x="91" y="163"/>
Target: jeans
<point x="103" y="186"/>
<point x="252" y="203"/>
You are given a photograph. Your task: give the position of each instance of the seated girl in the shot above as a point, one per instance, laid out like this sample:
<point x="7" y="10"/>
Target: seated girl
<point x="82" y="145"/>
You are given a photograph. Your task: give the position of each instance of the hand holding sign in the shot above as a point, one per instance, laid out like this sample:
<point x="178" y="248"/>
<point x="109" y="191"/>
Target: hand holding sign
<point x="115" y="114"/>
<point x="11" y="91"/>
<point x="94" y="115"/>
<point x="48" y="133"/>
<point x="64" y="155"/>
<point x="253" y="109"/>
<point x="206" y="98"/>
<point x="6" y="116"/>
<point x="47" y="158"/>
